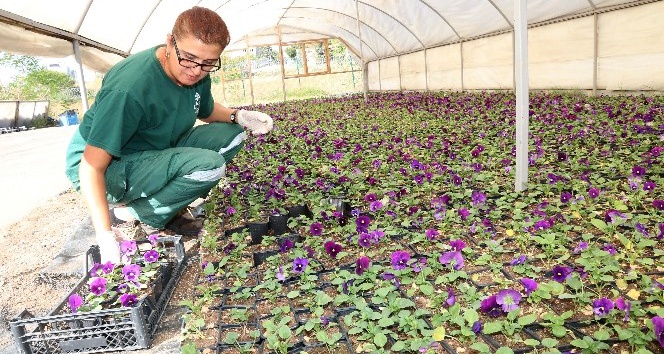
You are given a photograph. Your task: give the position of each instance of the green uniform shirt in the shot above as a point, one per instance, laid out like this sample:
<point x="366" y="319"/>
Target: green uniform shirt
<point x="138" y="108"/>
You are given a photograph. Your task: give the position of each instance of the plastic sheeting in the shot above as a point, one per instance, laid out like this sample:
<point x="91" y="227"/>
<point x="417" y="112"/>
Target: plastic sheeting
<point x="407" y="44"/>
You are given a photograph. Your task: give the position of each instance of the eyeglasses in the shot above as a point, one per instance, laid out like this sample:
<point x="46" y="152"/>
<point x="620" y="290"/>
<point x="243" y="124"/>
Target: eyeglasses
<point x="192" y="64"/>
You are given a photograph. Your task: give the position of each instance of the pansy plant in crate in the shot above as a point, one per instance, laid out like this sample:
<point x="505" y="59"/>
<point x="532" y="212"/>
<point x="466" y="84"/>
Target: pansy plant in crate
<point x="113" y="285"/>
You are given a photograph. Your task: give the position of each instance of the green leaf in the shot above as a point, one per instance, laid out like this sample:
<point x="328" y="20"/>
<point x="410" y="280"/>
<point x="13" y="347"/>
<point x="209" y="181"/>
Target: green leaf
<point x="580" y="343"/>
<point x="558" y="331"/>
<point x="189" y="348"/>
<point x="398" y="346"/>
<point x="531" y="342"/>
<point x="527" y="319"/>
<point x="284" y="332"/>
<point x="426" y="289"/>
<point x="293" y="294"/>
<point x="380" y="340"/>
<point x="549" y="342"/>
<point x="504" y="350"/>
<point x="481" y="347"/>
<point x="385" y="322"/>
<point x="231" y="337"/>
<point x="600" y="224"/>
<point x="602" y="335"/>
<point x="492" y="327"/>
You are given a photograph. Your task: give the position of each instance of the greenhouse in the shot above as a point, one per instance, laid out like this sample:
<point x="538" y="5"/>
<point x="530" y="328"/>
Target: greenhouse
<point x="478" y="176"/>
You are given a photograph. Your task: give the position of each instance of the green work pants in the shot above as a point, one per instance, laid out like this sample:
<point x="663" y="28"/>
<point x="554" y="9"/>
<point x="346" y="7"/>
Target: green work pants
<point x="155" y="185"/>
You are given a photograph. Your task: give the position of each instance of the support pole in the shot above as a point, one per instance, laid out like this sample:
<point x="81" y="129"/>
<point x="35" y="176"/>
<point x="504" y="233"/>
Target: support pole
<point x="365" y="66"/>
<point x="251" y="79"/>
<point x="281" y="60"/>
<point x="81" y="79"/>
<point x="522" y="104"/>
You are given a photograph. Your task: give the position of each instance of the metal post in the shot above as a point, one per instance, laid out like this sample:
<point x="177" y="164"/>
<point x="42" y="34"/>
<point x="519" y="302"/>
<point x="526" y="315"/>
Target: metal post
<point x="81" y="79"/>
<point x="522" y="104"/>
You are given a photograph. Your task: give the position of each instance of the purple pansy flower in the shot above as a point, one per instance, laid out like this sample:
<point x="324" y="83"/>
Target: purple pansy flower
<point x="431" y="234"/>
<point x="280" y="274"/>
<point x="98" y="286"/>
<point x="477" y="327"/>
<point x="361" y="265"/>
<point x="560" y="273"/>
<point x="624" y="306"/>
<point x="108" y="267"/>
<point x="457" y="245"/>
<point x="131" y="272"/>
<point x="649" y="186"/>
<point x="582" y="246"/>
<point x="230" y="211"/>
<point x="638" y="171"/>
<point x="508" y="299"/>
<point x="376" y="205"/>
<point x="400" y="259"/>
<point x="452" y="257"/>
<point x="362" y="223"/>
<point x="477" y="198"/>
<point x="286" y="245"/>
<point x="128" y="300"/>
<point x="642" y="229"/>
<point x="490" y="306"/>
<point x="364" y="239"/>
<point x="518" y="260"/>
<point x="128" y="247"/>
<point x="153" y="239"/>
<point x="658" y="329"/>
<point x="593" y="193"/>
<point x="565" y="197"/>
<point x="75" y="301"/>
<point x="451" y="298"/>
<point x="464" y="213"/>
<point x="316" y="229"/>
<point x="529" y="285"/>
<point x="658" y="204"/>
<point x="610" y="248"/>
<point x="332" y="248"/>
<point x="602" y="307"/>
<point x="151" y="256"/>
<point x="123" y="288"/>
<point x="299" y="264"/>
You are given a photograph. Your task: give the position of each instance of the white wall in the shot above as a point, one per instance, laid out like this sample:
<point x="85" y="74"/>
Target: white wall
<point x="629" y="56"/>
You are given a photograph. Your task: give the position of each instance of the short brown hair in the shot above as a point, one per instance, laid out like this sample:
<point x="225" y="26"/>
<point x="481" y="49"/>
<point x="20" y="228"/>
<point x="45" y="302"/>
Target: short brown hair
<point x="203" y="24"/>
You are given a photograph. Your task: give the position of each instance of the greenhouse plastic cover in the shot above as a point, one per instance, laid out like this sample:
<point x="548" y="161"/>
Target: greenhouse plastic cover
<point x="107" y="30"/>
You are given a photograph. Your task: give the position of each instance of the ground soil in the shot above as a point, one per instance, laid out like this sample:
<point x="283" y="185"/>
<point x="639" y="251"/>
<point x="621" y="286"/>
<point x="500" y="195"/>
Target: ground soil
<point x="27" y="247"/>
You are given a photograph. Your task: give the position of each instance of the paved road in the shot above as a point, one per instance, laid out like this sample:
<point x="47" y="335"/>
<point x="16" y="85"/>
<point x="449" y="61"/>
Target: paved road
<point x="32" y="167"/>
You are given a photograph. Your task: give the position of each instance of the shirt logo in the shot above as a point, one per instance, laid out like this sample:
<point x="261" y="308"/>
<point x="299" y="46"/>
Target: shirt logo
<point x="197" y="102"/>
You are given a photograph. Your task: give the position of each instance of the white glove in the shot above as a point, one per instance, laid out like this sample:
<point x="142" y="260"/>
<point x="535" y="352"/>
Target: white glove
<point x="258" y="122"/>
<point x="109" y="248"/>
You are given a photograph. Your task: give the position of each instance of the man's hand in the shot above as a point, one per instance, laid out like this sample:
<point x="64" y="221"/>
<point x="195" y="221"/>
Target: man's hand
<point x="258" y="122"/>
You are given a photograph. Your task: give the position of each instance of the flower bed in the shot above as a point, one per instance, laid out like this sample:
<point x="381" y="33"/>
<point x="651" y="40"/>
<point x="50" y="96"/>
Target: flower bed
<point x="415" y="241"/>
<point x="108" y="318"/>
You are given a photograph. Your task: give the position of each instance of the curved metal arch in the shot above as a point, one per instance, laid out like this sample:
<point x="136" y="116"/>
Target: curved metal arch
<point x="147" y="18"/>
<point x="397" y="21"/>
<point x="341" y="28"/>
<point x="592" y="5"/>
<point x="501" y="14"/>
<point x="441" y="17"/>
<point x="352" y="17"/>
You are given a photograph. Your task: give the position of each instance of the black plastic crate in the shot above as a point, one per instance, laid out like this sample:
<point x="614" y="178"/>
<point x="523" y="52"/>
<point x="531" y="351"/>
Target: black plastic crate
<point x="106" y="330"/>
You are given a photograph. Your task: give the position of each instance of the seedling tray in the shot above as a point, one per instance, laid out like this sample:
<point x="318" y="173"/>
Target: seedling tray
<point x="101" y="331"/>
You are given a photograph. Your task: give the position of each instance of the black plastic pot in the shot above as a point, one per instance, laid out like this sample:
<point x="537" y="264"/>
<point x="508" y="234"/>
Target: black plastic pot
<point x="260" y="257"/>
<point x="257" y="230"/>
<point x="298" y="210"/>
<point x="278" y="224"/>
